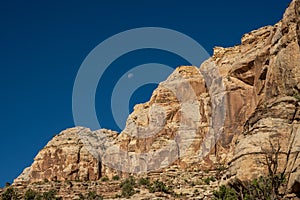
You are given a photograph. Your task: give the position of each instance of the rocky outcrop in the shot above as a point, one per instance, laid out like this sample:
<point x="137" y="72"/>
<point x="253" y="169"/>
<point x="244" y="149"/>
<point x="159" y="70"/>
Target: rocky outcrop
<point x="172" y="125"/>
<point x="240" y="105"/>
<point x="66" y="157"/>
<point x="183" y="184"/>
<point x="267" y="65"/>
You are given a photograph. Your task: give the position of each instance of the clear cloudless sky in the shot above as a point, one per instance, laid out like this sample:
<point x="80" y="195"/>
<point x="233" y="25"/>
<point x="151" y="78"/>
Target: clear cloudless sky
<point x="43" y="43"/>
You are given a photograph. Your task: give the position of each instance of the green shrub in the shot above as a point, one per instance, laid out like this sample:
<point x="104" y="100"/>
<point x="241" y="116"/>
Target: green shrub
<point x="192" y="183"/>
<point x="10" y="194"/>
<point x="221" y="168"/>
<point x="144" y="181"/>
<point x="159" y="186"/>
<point x="196" y="192"/>
<point x="263" y="188"/>
<point x="77" y="180"/>
<point x="32" y="195"/>
<point x="116" y="178"/>
<point x="104" y="179"/>
<point x="297" y="96"/>
<point x="81" y="196"/>
<point x="127" y="187"/>
<point x="50" y="195"/>
<point x="93" y="196"/>
<point x="208" y="180"/>
<point x="178" y="196"/>
<point x="225" y="193"/>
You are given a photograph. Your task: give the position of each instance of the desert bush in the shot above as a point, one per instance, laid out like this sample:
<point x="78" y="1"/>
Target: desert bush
<point x="207" y="180"/>
<point x="46" y="180"/>
<point x="81" y="196"/>
<point x="104" y="179"/>
<point x="10" y="193"/>
<point x="92" y="195"/>
<point x="261" y="188"/>
<point x="264" y="188"/>
<point x="144" y="181"/>
<point x="297" y="96"/>
<point x="127" y="187"/>
<point x="225" y="193"/>
<point x="116" y="178"/>
<point x="159" y="186"/>
<point x="32" y="195"/>
<point x="50" y="195"/>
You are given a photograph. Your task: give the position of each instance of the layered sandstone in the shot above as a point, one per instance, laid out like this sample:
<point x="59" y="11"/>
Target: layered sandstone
<point x="267" y="67"/>
<point x="67" y="157"/>
<point x="171" y="126"/>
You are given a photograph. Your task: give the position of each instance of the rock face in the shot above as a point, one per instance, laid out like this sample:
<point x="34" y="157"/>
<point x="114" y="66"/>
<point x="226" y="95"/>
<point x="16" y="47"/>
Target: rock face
<point x="66" y="157"/>
<point x="241" y="101"/>
<point x="187" y="184"/>
<point x="265" y="68"/>
<point x="170" y="126"/>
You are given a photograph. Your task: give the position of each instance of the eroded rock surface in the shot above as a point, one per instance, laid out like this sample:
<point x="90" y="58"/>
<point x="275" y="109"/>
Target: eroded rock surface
<point x="170" y="126"/>
<point x="66" y="157"/>
<point x="267" y="66"/>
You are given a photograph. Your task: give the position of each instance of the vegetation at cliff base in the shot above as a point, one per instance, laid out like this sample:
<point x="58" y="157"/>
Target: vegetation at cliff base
<point x="264" y="188"/>
<point x="11" y="193"/>
<point x="127" y="187"/>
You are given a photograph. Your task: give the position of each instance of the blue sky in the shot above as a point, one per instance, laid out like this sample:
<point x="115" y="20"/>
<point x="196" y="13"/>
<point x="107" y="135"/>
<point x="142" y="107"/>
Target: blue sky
<point x="43" y="43"/>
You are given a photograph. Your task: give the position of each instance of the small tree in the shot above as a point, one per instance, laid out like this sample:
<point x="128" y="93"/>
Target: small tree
<point x="264" y="187"/>
<point x="275" y="179"/>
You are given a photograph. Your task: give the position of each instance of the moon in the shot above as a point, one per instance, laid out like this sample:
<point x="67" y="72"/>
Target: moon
<point x="130" y="75"/>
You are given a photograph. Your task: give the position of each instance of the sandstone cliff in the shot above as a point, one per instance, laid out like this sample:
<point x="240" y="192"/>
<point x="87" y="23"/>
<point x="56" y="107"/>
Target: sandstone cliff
<point x="266" y="68"/>
<point x="227" y="112"/>
<point x="66" y="157"/>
